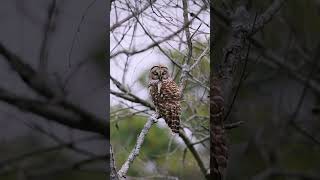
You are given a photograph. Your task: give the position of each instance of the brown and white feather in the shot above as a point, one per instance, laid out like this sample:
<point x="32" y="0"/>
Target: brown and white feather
<point x="166" y="98"/>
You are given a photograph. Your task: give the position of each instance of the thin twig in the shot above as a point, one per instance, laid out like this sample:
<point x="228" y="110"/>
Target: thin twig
<point x="205" y="51"/>
<point x="302" y="97"/>
<point x="242" y="74"/>
<point x="136" y="13"/>
<point x="195" y="153"/>
<point x="55" y="113"/>
<point x="201" y="140"/>
<point x="43" y="64"/>
<point x="155" y="42"/>
<point x="78" y="30"/>
<point x="233" y="125"/>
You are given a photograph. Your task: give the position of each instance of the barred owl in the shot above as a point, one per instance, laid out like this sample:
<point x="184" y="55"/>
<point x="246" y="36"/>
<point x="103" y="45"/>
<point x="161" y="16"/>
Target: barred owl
<point x="166" y="96"/>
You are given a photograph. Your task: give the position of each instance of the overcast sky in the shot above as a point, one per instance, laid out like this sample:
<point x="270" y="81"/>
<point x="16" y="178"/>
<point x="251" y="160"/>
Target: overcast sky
<point x="173" y="18"/>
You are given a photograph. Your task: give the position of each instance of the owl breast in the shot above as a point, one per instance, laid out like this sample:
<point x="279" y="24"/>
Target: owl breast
<point x="169" y="92"/>
<point x="167" y="103"/>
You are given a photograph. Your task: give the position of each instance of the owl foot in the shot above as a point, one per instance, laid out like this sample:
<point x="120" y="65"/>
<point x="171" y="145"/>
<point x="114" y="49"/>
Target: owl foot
<point x="174" y="134"/>
<point x="155" y="117"/>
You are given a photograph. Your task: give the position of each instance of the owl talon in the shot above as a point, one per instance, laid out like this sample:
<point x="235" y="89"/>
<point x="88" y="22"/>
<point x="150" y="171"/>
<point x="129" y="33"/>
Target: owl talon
<point x="155" y="116"/>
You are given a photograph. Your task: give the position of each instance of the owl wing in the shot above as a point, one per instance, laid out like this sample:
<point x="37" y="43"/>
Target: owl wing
<point x="172" y="113"/>
<point x="171" y="110"/>
<point x="171" y="91"/>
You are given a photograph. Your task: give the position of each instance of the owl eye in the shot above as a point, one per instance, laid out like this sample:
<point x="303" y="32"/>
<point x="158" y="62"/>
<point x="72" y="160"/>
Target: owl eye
<point x="164" y="73"/>
<point x="155" y="73"/>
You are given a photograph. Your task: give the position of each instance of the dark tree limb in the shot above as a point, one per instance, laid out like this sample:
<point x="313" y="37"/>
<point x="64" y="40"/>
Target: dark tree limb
<point x="221" y="88"/>
<point x="55" y="113"/>
<point x="76" y="116"/>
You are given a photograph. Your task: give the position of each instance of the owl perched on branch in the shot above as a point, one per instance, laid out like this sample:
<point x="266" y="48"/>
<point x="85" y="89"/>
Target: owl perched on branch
<point x="166" y="96"/>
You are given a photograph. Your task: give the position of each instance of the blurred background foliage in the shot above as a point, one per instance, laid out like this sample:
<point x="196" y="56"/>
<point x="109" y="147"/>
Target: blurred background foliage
<point x="279" y="139"/>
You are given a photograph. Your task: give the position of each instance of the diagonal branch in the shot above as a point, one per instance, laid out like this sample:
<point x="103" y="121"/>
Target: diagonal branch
<point x="195" y="153"/>
<point x="129" y="96"/>
<point x="267" y="16"/>
<point x="136" y="13"/>
<point x="136" y="150"/>
<point x="113" y="174"/>
<point x="82" y="117"/>
<point x="23" y="156"/>
<point x="54" y="112"/>
<point x="43" y="64"/>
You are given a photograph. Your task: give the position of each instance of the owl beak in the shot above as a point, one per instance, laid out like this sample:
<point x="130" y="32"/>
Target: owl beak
<point x="159" y="87"/>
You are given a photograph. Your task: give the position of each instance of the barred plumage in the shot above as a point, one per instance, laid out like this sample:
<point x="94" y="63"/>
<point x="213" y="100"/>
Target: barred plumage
<point x="166" y="96"/>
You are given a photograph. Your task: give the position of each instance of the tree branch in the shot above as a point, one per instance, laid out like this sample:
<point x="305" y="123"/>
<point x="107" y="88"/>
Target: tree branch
<point x="136" y="150"/>
<point x="113" y="174"/>
<point x="155" y="42"/>
<point x="136" y="13"/>
<point x="55" y="113"/>
<point x="82" y="119"/>
<point x="194" y="153"/>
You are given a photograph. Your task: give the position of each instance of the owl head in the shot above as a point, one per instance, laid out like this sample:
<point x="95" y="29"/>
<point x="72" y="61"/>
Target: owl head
<point x="159" y="73"/>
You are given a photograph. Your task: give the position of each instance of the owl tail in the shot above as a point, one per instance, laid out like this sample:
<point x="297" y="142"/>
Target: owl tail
<point x="173" y="118"/>
<point x="174" y="125"/>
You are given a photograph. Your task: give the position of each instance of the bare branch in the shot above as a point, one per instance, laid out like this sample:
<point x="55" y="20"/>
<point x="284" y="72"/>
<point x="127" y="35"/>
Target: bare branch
<point x="136" y="13"/>
<point x="68" y="166"/>
<point x="45" y="109"/>
<point x="280" y="62"/>
<point x="43" y="64"/>
<point x="55" y="113"/>
<point x="201" y="140"/>
<point x="113" y="174"/>
<point x="194" y="153"/>
<point x="155" y="43"/>
<point x="23" y="156"/>
<point x="186" y="28"/>
<point x="78" y="30"/>
<point x="136" y="150"/>
<point x="233" y="125"/>
<point x="205" y="51"/>
<point x="129" y="96"/>
<point x="267" y="16"/>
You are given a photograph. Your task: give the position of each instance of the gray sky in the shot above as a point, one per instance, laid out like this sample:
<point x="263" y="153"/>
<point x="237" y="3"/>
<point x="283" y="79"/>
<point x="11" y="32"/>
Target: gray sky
<point x="142" y="62"/>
